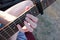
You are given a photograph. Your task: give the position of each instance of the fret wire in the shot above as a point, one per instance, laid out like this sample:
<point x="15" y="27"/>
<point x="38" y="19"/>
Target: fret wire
<point x="19" y="18"/>
<point x="11" y="29"/>
<point x="3" y="37"/>
<point x="14" y="23"/>
<point x="6" y="32"/>
<point x="21" y="21"/>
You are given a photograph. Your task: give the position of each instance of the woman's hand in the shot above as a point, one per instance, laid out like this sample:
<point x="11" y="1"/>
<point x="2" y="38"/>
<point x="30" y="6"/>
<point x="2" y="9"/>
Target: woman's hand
<point x="30" y="23"/>
<point x="16" y="10"/>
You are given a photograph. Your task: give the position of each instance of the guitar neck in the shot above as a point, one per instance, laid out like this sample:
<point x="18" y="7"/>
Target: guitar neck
<point x="11" y="28"/>
<point x="42" y="4"/>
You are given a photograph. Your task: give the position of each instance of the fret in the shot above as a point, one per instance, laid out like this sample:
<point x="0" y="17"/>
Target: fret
<point x="34" y="11"/>
<point x="19" y="21"/>
<point x="2" y="37"/>
<point x="4" y="34"/>
<point x="13" y="27"/>
<point x="9" y="31"/>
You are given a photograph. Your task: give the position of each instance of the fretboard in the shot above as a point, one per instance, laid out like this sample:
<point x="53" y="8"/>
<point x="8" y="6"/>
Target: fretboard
<point x="11" y="28"/>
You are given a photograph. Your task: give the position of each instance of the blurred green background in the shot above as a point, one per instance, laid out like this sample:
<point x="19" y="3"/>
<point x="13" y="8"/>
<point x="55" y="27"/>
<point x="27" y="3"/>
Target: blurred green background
<point x="49" y="23"/>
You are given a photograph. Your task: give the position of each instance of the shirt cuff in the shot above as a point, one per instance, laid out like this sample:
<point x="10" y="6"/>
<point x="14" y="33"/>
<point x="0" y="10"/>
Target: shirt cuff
<point x="21" y="36"/>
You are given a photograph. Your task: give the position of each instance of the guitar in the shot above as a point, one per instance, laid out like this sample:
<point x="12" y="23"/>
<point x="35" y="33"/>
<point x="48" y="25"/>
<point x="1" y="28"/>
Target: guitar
<point x="10" y="28"/>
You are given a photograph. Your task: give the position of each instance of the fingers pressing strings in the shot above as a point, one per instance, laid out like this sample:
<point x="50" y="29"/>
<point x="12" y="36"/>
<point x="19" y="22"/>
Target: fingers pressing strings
<point x="28" y="26"/>
<point x="33" y="18"/>
<point x="31" y="22"/>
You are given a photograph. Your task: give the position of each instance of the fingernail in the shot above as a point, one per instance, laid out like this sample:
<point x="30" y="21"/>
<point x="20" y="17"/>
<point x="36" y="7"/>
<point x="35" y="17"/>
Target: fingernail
<point x="25" y="18"/>
<point x="17" y="24"/>
<point x="24" y="22"/>
<point x="27" y="14"/>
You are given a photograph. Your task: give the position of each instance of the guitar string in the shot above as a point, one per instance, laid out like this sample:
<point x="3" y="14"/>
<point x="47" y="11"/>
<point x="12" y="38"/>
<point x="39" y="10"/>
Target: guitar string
<point x="11" y="29"/>
<point x="3" y="37"/>
<point x="6" y="32"/>
<point x="14" y="24"/>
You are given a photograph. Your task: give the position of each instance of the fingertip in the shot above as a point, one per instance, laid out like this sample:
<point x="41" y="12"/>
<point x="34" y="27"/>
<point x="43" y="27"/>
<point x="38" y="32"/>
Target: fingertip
<point x="19" y="28"/>
<point x="26" y="18"/>
<point x="24" y="22"/>
<point x="28" y="26"/>
<point x="18" y="25"/>
<point x="28" y="15"/>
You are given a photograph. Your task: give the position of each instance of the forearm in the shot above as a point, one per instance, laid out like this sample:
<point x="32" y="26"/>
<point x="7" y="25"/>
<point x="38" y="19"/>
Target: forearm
<point x="19" y="8"/>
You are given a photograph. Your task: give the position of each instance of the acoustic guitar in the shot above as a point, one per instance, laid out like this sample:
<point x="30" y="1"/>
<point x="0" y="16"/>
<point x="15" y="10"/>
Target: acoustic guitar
<point x="10" y="29"/>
